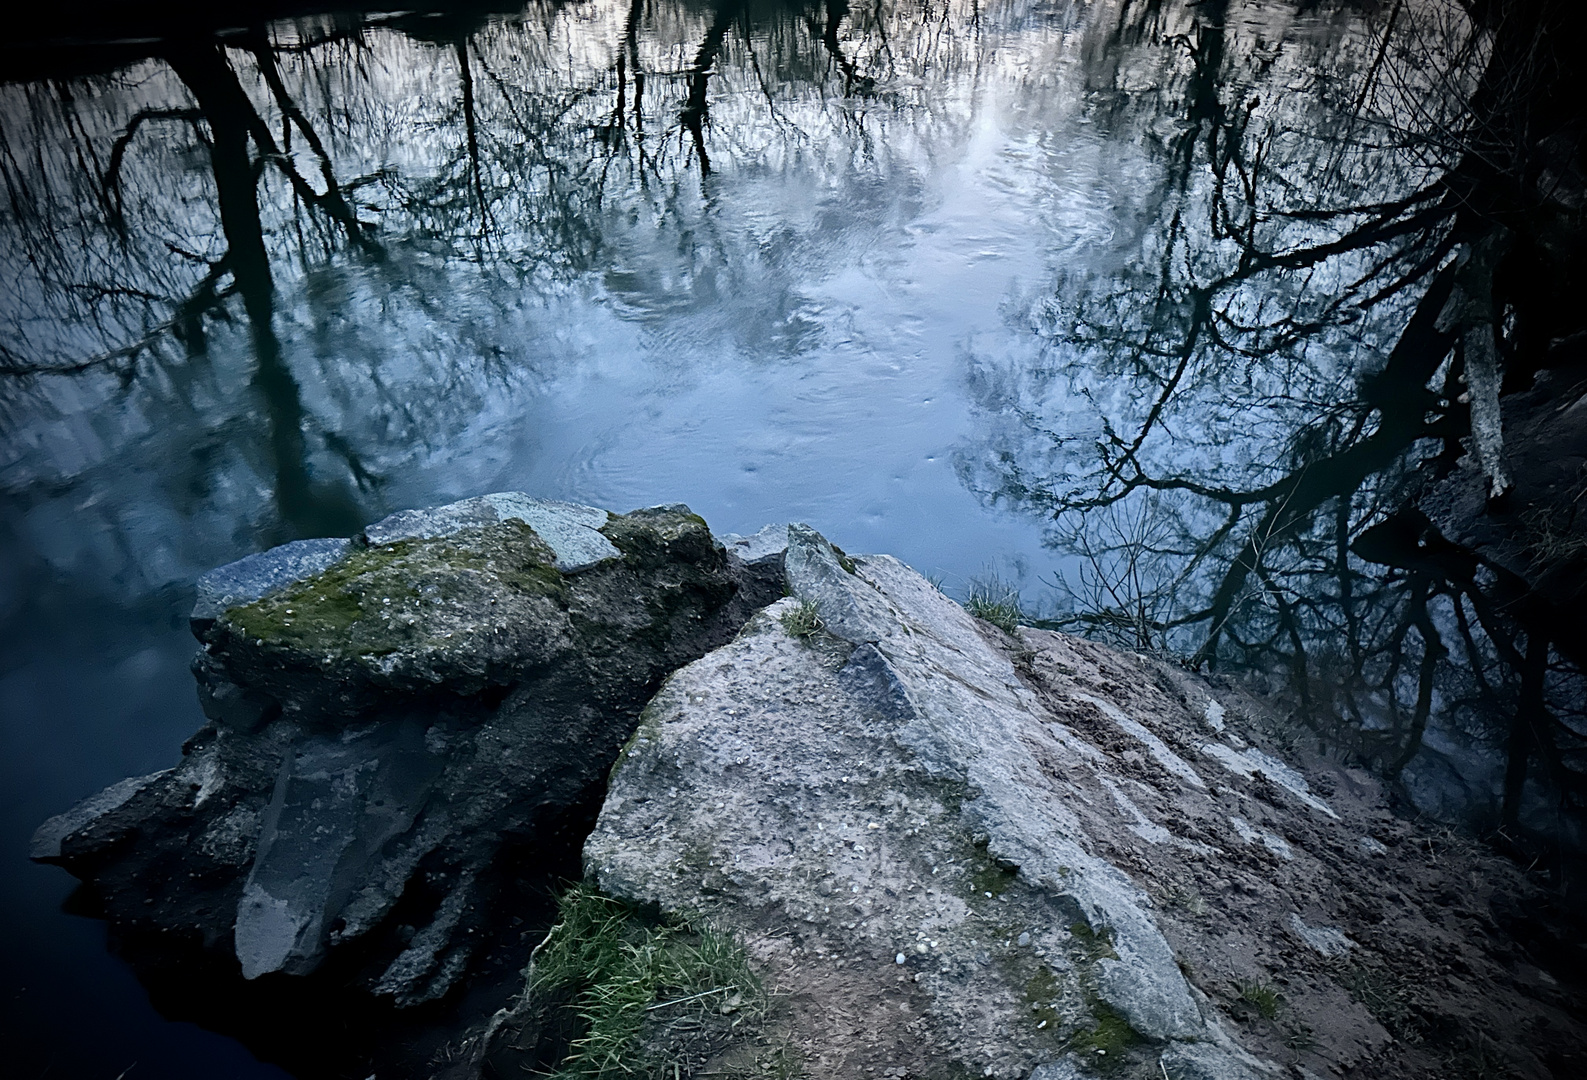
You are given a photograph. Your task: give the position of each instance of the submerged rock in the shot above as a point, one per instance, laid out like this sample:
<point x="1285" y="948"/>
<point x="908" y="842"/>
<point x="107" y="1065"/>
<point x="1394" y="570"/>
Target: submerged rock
<point x="397" y="722"/>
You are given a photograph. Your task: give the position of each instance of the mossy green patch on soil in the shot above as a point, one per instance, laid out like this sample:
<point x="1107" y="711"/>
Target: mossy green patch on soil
<point x="1093" y="945"/>
<point x="989" y="875"/>
<point x="1104" y="1047"/>
<point x="1042" y="993"/>
<point x="378" y="599"/>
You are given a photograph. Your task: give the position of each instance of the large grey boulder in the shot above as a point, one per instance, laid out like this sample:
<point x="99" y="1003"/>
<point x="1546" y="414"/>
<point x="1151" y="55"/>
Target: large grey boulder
<point x="883" y="813"/>
<point x="394" y="719"/>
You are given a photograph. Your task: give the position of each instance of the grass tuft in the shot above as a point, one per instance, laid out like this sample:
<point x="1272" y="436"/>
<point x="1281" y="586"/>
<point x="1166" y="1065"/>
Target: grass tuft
<point x="1385" y="995"/>
<point x="997" y="602"/>
<point x="804" y="621"/>
<point x="1260" y="996"/>
<point x="654" y="998"/>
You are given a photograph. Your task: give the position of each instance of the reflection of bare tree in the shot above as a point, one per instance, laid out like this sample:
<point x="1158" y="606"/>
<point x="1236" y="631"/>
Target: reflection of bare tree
<point x="233" y="124"/>
<point x="1280" y="461"/>
<point x="692" y="115"/>
<point x="240" y="257"/>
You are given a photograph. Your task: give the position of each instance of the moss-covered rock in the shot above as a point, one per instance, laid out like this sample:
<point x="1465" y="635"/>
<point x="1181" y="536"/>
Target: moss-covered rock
<point x="400" y="721"/>
<point x="379" y="600"/>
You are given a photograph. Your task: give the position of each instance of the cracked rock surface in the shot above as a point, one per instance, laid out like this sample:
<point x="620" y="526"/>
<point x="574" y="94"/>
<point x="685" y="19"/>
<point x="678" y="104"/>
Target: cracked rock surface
<point x="883" y="812"/>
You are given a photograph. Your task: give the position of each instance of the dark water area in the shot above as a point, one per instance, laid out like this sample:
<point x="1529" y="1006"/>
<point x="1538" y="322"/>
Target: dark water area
<point x="896" y="270"/>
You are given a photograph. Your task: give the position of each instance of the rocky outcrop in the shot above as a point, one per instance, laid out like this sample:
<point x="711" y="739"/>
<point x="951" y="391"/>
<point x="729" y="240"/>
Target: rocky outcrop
<point x="401" y="724"/>
<point x="897" y="802"/>
<point x="943" y="850"/>
<point x="956" y="852"/>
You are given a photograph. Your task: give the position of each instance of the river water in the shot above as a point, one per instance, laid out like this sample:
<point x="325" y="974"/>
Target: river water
<point x="774" y="261"/>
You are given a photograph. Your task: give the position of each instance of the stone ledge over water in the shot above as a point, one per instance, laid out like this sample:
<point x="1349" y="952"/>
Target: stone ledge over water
<point x="391" y="718"/>
<point x="881" y="810"/>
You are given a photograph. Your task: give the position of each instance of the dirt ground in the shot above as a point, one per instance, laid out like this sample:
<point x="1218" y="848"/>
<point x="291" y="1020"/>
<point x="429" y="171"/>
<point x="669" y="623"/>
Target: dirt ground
<point x="1429" y="956"/>
<point x="1453" y="963"/>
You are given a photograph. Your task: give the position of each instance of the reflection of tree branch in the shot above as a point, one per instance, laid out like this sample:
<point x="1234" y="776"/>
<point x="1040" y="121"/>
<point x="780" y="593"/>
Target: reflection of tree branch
<point x="692" y="115"/>
<point x="111" y="181"/>
<point x="330" y="201"/>
<point x="837" y="11"/>
<point x="203" y="297"/>
<point x="264" y="57"/>
<point x="305" y="508"/>
<point x="471" y="130"/>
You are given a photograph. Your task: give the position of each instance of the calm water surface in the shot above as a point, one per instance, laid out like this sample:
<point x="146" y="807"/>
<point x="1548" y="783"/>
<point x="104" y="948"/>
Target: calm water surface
<point x="773" y="261"/>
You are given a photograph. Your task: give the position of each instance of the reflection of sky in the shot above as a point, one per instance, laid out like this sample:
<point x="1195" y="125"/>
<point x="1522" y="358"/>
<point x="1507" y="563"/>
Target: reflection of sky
<point x="781" y="340"/>
<point x="838" y="403"/>
<point x="786" y="338"/>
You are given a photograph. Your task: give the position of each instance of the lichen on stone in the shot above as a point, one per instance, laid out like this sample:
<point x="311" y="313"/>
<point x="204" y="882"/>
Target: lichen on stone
<point x="652" y="535"/>
<point x="377" y="600"/>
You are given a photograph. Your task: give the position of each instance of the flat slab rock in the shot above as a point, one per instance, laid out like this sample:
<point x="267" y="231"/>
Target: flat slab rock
<point x="957" y="852"/>
<point x="881" y="812"/>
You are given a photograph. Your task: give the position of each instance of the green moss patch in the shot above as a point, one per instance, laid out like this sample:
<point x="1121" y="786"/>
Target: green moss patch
<point x="653" y="997"/>
<point x="1105" y="1046"/>
<point x="1094" y="946"/>
<point x="648" y="538"/>
<point x="844" y="560"/>
<point x="990" y="875"/>
<point x="1042" y="993"/>
<point x="378" y="599"/>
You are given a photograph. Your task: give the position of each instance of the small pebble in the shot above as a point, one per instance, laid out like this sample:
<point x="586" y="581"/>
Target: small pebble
<point x="899" y="959"/>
